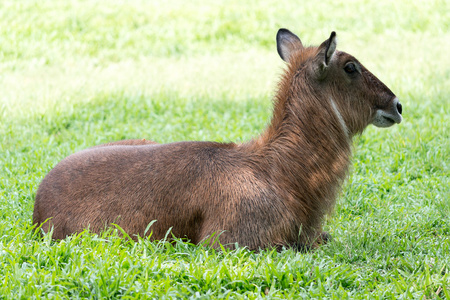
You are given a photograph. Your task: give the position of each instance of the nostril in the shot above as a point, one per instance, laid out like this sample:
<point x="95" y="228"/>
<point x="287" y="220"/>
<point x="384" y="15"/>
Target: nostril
<point x="399" y="108"/>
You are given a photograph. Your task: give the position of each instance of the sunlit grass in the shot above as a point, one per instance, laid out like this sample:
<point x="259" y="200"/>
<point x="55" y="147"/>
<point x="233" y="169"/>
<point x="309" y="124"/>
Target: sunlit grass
<point x="80" y="73"/>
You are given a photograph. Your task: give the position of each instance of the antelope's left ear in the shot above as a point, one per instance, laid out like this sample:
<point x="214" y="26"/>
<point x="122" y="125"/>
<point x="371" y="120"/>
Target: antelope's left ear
<point x="326" y="52"/>
<point x="287" y="44"/>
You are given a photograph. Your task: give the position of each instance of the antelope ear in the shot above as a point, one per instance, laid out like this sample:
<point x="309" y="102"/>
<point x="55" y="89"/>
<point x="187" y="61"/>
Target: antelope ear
<point x="328" y="47"/>
<point x="326" y="51"/>
<point x="287" y="44"/>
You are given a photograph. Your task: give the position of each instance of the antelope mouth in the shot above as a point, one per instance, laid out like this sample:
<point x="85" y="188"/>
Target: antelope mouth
<point x="388" y="118"/>
<point x="385" y="119"/>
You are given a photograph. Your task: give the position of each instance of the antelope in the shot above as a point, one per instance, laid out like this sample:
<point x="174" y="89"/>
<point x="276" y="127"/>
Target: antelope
<point x="271" y="191"/>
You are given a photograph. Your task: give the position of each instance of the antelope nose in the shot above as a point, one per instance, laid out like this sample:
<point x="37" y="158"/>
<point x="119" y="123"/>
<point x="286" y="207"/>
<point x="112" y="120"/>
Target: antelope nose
<point x="399" y="107"/>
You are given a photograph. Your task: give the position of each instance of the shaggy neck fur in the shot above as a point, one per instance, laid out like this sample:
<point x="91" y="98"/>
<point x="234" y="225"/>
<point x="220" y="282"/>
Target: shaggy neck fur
<point x="307" y="146"/>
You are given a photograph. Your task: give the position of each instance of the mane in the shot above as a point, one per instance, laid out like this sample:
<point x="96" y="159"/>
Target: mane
<point x="281" y="98"/>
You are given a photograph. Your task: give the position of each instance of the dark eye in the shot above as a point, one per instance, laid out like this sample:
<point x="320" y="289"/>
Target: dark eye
<point x="350" y="68"/>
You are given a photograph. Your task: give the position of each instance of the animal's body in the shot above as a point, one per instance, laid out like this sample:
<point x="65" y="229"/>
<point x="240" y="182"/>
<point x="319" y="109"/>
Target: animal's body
<point x="271" y="191"/>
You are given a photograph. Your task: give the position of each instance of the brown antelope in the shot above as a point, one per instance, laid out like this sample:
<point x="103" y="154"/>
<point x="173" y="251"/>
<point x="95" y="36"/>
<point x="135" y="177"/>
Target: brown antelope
<point x="272" y="191"/>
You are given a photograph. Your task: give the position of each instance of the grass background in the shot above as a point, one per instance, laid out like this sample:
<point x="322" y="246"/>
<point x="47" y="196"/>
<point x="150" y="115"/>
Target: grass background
<point x="78" y="73"/>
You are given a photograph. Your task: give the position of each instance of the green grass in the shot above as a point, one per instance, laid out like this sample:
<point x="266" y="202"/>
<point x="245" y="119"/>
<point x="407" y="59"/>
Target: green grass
<point x="78" y="73"/>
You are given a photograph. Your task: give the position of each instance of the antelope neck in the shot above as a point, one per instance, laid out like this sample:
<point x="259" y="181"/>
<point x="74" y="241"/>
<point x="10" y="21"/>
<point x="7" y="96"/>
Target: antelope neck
<point x="304" y="138"/>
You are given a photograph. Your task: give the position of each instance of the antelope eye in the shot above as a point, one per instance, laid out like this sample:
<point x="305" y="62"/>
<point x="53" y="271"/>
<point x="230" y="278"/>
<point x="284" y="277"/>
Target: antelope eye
<point x="350" y="68"/>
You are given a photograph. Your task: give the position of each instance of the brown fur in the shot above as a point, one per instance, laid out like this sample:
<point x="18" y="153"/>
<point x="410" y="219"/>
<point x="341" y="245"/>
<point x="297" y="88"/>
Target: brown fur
<point x="134" y="142"/>
<point x="271" y="191"/>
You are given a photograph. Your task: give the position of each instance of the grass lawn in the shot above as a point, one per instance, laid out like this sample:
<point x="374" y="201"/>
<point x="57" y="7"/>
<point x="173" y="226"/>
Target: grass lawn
<point x="74" y="74"/>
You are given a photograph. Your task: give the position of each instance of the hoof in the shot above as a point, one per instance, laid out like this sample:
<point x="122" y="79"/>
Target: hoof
<point x="324" y="238"/>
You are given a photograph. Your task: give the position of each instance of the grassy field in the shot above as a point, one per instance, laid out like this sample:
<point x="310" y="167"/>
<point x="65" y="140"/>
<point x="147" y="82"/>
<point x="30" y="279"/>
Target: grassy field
<point x="78" y="73"/>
